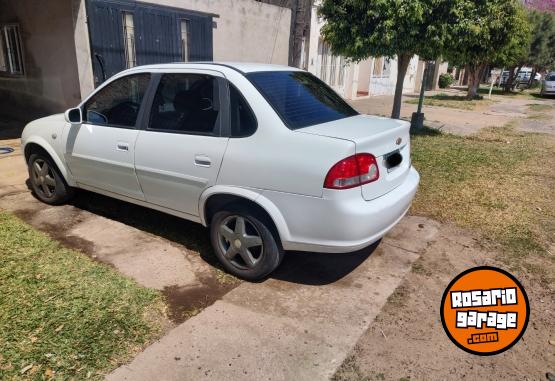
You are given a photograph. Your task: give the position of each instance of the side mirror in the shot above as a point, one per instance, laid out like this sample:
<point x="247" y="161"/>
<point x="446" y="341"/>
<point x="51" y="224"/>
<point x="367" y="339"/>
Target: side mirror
<point x="74" y="116"/>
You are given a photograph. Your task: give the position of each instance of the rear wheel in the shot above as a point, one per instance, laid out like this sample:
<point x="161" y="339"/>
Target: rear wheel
<point x="46" y="180"/>
<point x="244" y="244"/>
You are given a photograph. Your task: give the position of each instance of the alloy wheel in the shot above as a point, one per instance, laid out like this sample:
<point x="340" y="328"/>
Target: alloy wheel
<point x="43" y="177"/>
<point x="240" y="241"/>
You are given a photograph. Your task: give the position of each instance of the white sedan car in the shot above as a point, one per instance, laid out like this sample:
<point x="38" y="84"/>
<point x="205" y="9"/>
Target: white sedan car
<point x="269" y="157"/>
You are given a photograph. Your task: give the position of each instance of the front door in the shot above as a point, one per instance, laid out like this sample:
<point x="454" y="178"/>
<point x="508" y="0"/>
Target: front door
<point x="180" y="149"/>
<point x="100" y="151"/>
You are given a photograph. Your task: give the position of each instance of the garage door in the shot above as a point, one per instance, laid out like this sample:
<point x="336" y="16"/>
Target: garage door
<point x="124" y="34"/>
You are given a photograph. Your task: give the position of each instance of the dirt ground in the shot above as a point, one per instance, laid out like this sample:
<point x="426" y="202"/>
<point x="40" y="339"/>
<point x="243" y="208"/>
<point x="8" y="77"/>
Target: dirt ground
<point x="407" y="341"/>
<point x="466" y="122"/>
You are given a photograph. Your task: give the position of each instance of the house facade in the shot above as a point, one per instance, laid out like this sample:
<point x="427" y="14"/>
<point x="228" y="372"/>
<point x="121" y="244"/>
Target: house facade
<point x="54" y="53"/>
<point x="370" y="77"/>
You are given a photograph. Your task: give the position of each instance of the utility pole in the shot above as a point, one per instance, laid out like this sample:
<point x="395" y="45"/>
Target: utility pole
<point x="417" y="120"/>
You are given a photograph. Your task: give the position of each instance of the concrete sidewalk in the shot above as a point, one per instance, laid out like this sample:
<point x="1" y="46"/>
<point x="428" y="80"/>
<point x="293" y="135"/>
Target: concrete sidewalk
<point x="285" y="328"/>
<point x="446" y="119"/>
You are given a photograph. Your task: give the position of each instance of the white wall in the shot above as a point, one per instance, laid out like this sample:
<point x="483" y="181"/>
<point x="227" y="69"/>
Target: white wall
<point x="350" y="80"/>
<point x="386" y="85"/>
<point x="246" y="31"/>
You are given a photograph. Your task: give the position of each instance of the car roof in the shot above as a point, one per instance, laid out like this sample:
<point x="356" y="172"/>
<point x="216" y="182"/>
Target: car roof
<point x="243" y="67"/>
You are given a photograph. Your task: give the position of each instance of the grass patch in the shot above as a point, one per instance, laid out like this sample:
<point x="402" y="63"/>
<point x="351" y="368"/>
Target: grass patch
<point x="350" y="371"/>
<point x="538" y="116"/>
<point x="527" y="93"/>
<point x="62" y="315"/>
<point x="499" y="182"/>
<point x="452" y="101"/>
<point x="540" y="107"/>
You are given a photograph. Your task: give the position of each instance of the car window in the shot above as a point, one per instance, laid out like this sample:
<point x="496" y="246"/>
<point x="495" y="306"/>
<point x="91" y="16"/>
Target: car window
<point x="300" y="99"/>
<point x="187" y="103"/>
<point x="550" y="77"/>
<point x="243" y="121"/>
<point x="118" y="103"/>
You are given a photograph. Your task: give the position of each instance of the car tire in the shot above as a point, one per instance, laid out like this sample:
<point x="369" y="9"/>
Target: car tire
<point x="46" y="180"/>
<point x="231" y="233"/>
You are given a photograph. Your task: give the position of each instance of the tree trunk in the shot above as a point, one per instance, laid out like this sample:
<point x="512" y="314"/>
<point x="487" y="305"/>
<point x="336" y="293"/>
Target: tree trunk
<point x="532" y="77"/>
<point x="475" y="72"/>
<point x="516" y="81"/>
<point x="509" y="81"/>
<point x="403" y="61"/>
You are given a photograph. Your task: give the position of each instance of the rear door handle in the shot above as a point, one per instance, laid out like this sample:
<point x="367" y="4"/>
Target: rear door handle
<point x="122" y="146"/>
<point x="202" y="161"/>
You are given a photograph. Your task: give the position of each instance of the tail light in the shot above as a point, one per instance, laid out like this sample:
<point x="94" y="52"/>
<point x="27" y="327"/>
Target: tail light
<point x="353" y="171"/>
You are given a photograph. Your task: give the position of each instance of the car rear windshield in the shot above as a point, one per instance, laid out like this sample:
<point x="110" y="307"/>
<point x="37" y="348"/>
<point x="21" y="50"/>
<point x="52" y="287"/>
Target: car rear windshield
<point x="300" y="99"/>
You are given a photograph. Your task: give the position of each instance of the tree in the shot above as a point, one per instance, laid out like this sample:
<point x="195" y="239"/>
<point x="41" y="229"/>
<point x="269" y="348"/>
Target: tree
<point x="482" y="32"/>
<point x="358" y="29"/>
<point x="542" y="45"/>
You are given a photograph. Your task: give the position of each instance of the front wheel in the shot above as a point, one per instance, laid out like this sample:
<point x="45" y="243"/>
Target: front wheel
<point x="244" y="244"/>
<point x="46" y="180"/>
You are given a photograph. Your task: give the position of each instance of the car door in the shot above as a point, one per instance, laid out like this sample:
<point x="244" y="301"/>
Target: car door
<point x="179" y="149"/>
<point x="100" y="151"/>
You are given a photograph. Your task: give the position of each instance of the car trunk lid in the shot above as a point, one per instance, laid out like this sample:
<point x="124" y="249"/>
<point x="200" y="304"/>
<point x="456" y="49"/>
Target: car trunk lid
<point x="387" y="139"/>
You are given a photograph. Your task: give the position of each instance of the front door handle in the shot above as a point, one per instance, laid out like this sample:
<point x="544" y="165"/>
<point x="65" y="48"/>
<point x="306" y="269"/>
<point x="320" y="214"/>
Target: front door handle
<point x="122" y="146"/>
<point x="202" y="161"/>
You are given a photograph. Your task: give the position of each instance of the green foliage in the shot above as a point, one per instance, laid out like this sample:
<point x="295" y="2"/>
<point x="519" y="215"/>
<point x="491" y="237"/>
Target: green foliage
<point x="445" y="80"/>
<point x="486" y="31"/>
<point x="542" y="44"/>
<point x="359" y="29"/>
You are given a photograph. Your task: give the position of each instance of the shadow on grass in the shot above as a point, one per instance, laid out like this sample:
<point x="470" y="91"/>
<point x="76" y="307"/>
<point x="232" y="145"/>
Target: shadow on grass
<point x="539" y="96"/>
<point x="512" y="93"/>
<point x="297" y="267"/>
<point x="425" y="131"/>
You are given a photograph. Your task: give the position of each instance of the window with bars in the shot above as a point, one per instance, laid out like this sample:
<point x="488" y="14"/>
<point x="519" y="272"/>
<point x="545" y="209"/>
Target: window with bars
<point x="11" y="51"/>
<point x="341" y="79"/>
<point x="129" y="39"/>
<point x="331" y="68"/>
<point x="184" y="40"/>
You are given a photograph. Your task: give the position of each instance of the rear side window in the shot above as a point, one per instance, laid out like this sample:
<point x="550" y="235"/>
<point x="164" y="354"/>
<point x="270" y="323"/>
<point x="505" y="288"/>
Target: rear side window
<point x="186" y="103"/>
<point x="118" y="103"/>
<point x="243" y="121"/>
<point x="300" y="99"/>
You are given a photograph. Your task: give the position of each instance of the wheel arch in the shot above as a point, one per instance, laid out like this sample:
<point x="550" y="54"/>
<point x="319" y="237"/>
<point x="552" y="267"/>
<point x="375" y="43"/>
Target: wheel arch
<point x="38" y="144"/>
<point x="217" y="197"/>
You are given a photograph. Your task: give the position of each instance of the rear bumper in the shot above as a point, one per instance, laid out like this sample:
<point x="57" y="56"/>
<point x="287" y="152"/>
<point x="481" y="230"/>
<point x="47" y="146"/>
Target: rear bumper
<point x="342" y="221"/>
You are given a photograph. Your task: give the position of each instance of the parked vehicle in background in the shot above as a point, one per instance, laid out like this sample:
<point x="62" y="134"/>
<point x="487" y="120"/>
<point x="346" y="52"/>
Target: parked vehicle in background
<point x="548" y="84"/>
<point x="523" y="76"/>
<point x="502" y="79"/>
<point x="268" y="156"/>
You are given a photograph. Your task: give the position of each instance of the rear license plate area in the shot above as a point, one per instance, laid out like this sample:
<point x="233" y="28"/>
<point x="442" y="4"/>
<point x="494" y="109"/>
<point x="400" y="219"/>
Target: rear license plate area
<point x="392" y="160"/>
